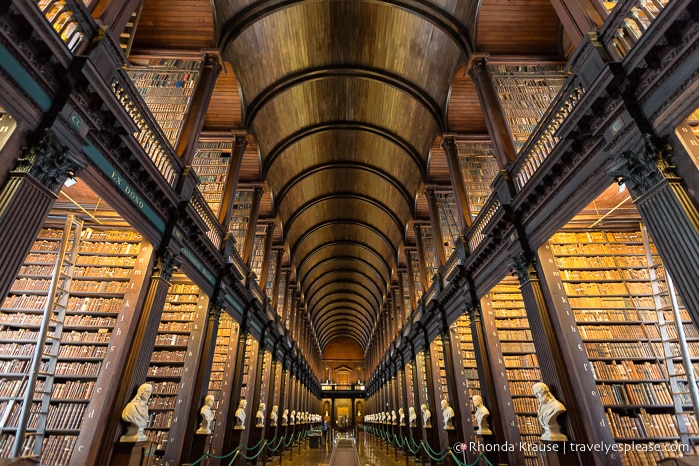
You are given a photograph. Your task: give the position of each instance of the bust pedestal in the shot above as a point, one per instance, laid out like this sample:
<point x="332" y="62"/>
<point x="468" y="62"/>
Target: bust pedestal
<point x="131" y="453"/>
<point x="200" y="445"/>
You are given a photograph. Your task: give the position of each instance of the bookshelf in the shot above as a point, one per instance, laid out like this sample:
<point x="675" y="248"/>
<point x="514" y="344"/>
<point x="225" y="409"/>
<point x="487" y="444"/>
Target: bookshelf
<point x="258" y="251"/>
<point x="417" y="282"/>
<point x="166" y="86"/>
<point x="448" y="221"/>
<point x="424" y="393"/>
<point x="428" y="247"/>
<point x="240" y="217"/>
<point x="478" y="169"/>
<point x="168" y="358"/>
<point x="271" y="272"/>
<point x="525" y="94"/>
<point x="616" y="287"/>
<point x="222" y="363"/>
<point x="469" y="373"/>
<point x="211" y="161"/>
<point x="520" y="359"/>
<point x="104" y="261"/>
<point x="441" y="388"/>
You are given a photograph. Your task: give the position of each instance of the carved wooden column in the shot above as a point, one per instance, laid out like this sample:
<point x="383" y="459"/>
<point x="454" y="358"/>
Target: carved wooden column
<point x="457" y="183"/>
<point x="264" y="272"/>
<point x="668" y="211"/>
<point x="252" y="226"/>
<point x="421" y="258"/>
<point x="200" y="387"/>
<point x="277" y="278"/>
<point x="458" y="385"/>
<point x="229" y="190"/>
<point x="439" y="255"/>
<point x="26" y="199"/>
<point x="196" y="113"/>
<point x="95" y="424"/>
<point x="563" y="363"/>
<point x="411" y="281"/>
<point x="229" y="442"/>
<point x="578" y="17"/>
<point x="137" y="355"/>
<point x="495" y="121"/>
<point x="495" y="388"/>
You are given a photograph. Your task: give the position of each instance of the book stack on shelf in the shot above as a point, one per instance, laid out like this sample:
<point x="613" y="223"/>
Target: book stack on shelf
<point x="521" y="361"/>
<point x="417" y="282"/>
<point x="407" y="306"/>
<point x="168" y="358"/>
<point x="240" y="217"/>
<point x="525" y="94"/>
<point x="280" y="293"/>
<point x="166" y="86"/>
<point x="211" y="161"/>
<point x="478" y="168"/>
<point x="271" y="272"/>
<point x="441" y="388"/>
<point x="428" y="247"/>
<point x="469" y="374"/>
<point x="618" y="293"/>
<point x="448" y="221"/>
<point x="258" y="251"/>
<point x="102" y="270"/>
<point x="224" y="352"/>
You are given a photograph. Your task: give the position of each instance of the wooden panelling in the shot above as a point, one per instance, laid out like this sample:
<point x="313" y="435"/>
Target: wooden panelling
<point x="181" y="24"/>
<point x="464" y="110"/>
<point x="225" y="110"/>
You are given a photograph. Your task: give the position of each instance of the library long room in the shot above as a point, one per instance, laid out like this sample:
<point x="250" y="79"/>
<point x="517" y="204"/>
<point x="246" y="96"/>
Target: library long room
<point x="243" y="232"/>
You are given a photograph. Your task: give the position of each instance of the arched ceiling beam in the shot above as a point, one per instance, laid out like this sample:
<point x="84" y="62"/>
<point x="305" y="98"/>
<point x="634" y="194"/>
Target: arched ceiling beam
<point x="384" y="77"/>
<point x="249" y="15"/>
<point x="325" y="320"/>
<point x="346" y="307"/>
<point x="343" y="222"/>
<point x="344" y="300"/>
<point x="306" y="131"/>
<point x="362" y="344"/>
<point x="347" y="196"/>
<point x="346" y="295"/>
<point x="348" y="259"/>
<point x="390" y="179"/>
<point x="340" y="274"/>
<point x="327" y="290"/>
<point x="342" y="324"/>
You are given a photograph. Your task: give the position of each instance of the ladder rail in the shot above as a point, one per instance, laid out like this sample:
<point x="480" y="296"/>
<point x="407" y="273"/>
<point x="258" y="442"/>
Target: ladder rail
<point x="35" y="368"/>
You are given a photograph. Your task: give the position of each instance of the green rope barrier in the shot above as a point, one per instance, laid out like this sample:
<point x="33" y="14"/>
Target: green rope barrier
<point x="412" y="452"/>
<point x="279" y="444"/>
<point x="480" y="457"/>
<point x="262" y="448"/>
<point x="209" y="455"/>
<point x="235" y="457"/>
<point x="432" y="454"/>
<point x="398" y="442"/>
<point x="291" y="440"/>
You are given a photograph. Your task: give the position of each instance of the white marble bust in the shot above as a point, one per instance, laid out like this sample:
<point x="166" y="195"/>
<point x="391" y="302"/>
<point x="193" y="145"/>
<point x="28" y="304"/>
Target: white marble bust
<point x="426" y="416"/>
<point x="447" y="415"/>
<point x="135" y="413"/>
<point x="482" y="413"/>
<point x="401" y="416"/>
<point x="273" y="416"/>
<point x="549" y="410"/>
<point x="260" y="416"/>
<point x="412" y="416"/>
<point x="240" y="415"/>
<point x="285" y="417"/>
<point x="207" y="416"/>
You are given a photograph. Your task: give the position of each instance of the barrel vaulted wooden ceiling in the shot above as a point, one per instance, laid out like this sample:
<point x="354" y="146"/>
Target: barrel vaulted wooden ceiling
<point x="345" y="102"/>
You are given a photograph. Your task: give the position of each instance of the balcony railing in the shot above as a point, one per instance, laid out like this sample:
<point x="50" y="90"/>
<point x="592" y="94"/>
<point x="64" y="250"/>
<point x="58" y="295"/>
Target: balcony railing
<point x="214" y="231"/>
<point x="476" y="234"/>
<point x="627" y="23"/>
<point x="544" y="139"/>
<point x="69" y="20"/>
<point x="150" y="136"/>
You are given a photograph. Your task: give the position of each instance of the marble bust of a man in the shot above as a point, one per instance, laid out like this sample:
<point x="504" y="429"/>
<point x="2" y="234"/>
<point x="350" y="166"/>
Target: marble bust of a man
<point x="549" y="410"/>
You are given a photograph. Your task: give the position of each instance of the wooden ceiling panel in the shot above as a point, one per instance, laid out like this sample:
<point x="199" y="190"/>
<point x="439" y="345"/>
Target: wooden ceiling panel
<point x="312" y="36"/>
<point x="225" y="111"/>
<point x="518" y="27"/>
<point x="182" y="25"/>
<point x="344" y="99"/>
<point x="464" y="113"/>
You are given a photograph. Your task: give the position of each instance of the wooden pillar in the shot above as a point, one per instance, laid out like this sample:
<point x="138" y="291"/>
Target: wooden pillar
<point x="458" y="385"/>
<point x="493" y="380"/>
<point x="252" y="226"/>
<point x="457" y="183"/>
<point x="411" y="281"/>
<point x="196" y="113"/>
<point x="230" y="442"/>
<point x="668" y="211"/>
<point x="225" y="412"/>
<point x="96" y="433"/>
<point x="578" y="17"/>
<point x="26" y="199"/>
<point x="588" y="422"/>
<point x="277" y="278"/>
<point x="115" y="13"/>
<point x="140" y="348"/>
<point x="421" y="258"/>
<point x="439" y="255"/>
<point x="495" y="121"/>
<point x="201" y="382"/>
<point x="264" y="272"/>
<point x="229" y="190"/>
<point x="433" y="434"/>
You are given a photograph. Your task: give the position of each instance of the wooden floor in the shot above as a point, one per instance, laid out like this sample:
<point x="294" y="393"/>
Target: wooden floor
<point x="371" y="453"/>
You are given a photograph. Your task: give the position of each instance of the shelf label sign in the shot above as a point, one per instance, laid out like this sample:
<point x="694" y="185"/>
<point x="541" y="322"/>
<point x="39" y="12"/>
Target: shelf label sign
<point x="197" y="263"/>
<point x="121" y="184"/>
